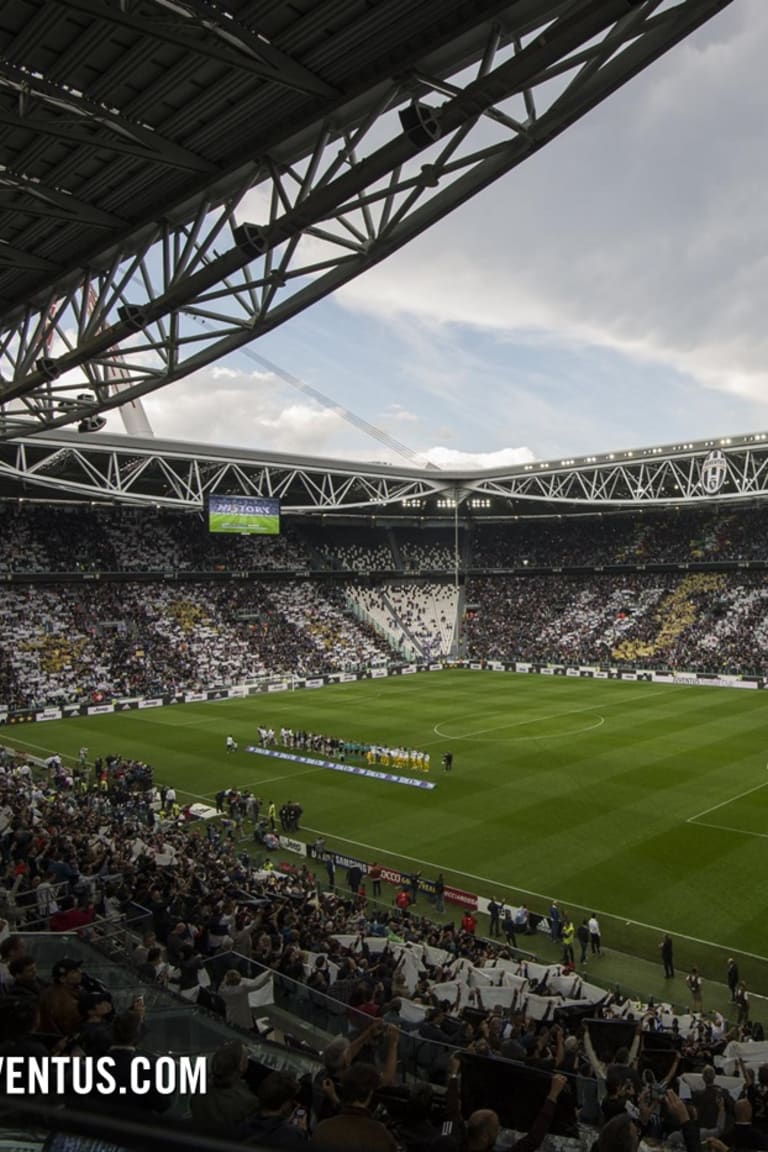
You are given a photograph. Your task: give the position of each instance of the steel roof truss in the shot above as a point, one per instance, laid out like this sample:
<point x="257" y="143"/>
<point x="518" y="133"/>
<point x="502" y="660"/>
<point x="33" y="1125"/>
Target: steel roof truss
<point x="364" y="206"/>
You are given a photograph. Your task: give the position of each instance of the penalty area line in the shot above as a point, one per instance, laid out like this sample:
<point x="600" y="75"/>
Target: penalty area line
<point x="730" y="800"/>
<point x="498" y="885"/>
<point x="726" y="828"/>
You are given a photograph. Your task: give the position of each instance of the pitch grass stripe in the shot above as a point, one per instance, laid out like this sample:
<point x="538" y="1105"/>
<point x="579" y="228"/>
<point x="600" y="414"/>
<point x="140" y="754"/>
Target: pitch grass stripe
<point x="497" y="884"/>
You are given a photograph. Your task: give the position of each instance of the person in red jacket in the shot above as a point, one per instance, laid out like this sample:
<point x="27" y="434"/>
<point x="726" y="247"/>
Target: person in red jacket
<point x="69" y="917"/>
<point x="468" y="923"/>
<point x="403" y="899"/>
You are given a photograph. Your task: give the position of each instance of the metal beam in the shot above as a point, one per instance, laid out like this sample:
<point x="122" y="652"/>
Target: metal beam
<point x="182" y="24"/>
<point x="73" y="117"/>
<point x="180" y="476"/>
<point x="725" y="471"/>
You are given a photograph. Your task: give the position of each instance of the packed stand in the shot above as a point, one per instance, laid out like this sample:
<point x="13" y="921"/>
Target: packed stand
<point x="78" y="643"/>
<point x="671" y="536"/>
<point x="75" y="538"/>
<point x="704" y="622"/>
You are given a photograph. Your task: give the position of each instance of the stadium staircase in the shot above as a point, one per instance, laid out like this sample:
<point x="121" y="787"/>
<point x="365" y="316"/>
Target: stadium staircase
<point x="410" y="642"/>
<point x="394" y="546"/>
<point x="362" y="605"/>
<point x="458" y="642"/>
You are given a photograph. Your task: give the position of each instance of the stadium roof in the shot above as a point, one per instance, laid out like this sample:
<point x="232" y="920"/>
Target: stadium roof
<point x="173" y="474"/>
<point x="133" y="130"/>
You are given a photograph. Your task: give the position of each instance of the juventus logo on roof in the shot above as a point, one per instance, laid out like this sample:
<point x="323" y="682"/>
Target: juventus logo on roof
<point x="713" y="473"/>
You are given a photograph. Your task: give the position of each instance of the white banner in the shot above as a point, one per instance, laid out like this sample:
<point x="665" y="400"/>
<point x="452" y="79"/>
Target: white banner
<point x="571" y="671"/>
<point x="408" y="670"/>
<point x="99" y="709"/>
<point x="277" y="687"/>
<point x="476" y="667"/>
<point x="347" y="677"/>
<point x="263" y="995"/>
<point x="290" y="845"/>
<point x="601" y="675"/>
<point x="378" y="673"/>
<point x="48" y="714"/>
<point x="237" y="691"/>
<point x="150" y="703"/>
<point x="435" y="667"/>
<point x="318" y="682"/>
<point x="709" y="682"/>
<point x="195" y="697"/>
<point x="203" y="812"/>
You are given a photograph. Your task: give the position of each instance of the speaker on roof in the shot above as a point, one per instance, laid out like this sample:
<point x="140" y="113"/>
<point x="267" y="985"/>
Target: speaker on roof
<point x="47" y="368"/>
<point x="420" y="124"/>
<point x="91" y="424"/>
<point x="251" y="239"/>
<point x="133" y="316"/>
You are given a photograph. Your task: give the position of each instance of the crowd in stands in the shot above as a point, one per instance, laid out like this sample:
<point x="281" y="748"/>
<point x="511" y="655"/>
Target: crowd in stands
<point x="408" y="999"/>
<point x="73" y="538"/>
<point x="672" y="536"/>
<point x="64" y="642"/>
<point x="70" y="641"/>
<point x="36" y="538"/>
<point x="705" y="622"/>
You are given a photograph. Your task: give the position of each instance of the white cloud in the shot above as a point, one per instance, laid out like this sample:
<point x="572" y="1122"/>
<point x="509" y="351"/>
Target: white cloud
<point x="242" y="409"/>
<point x="397" y="412"/>
<point x="640" y="230"/>
<point x="453" y="459"/>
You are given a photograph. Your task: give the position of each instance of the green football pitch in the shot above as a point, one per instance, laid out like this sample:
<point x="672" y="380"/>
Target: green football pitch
<point x="645" y="803"/>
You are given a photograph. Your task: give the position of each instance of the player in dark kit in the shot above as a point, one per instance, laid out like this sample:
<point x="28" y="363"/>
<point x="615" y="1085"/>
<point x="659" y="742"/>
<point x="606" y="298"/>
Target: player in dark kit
<point x="447" y="761"/>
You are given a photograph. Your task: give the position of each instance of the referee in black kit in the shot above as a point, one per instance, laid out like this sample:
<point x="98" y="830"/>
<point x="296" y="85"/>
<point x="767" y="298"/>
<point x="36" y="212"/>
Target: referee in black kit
<point x="447" y="761"/>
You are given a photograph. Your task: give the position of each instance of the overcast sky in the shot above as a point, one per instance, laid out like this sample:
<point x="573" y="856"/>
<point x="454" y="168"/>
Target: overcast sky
<point x="610" y="293"/>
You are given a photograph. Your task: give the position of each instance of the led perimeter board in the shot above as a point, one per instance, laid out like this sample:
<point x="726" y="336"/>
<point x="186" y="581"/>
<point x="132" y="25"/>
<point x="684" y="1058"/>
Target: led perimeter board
<point x="248" y="515"/>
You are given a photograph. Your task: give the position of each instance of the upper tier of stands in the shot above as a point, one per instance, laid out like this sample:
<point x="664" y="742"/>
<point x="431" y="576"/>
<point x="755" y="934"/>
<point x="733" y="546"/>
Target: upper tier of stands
<point x="40" y="538"/>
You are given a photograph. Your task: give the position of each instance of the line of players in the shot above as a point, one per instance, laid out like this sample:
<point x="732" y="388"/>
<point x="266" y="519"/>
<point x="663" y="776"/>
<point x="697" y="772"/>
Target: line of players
<point x="373" y="754"/>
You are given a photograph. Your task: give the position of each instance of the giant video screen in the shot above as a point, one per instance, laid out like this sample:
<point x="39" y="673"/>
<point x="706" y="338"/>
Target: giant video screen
<point x="246" y="515"/>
